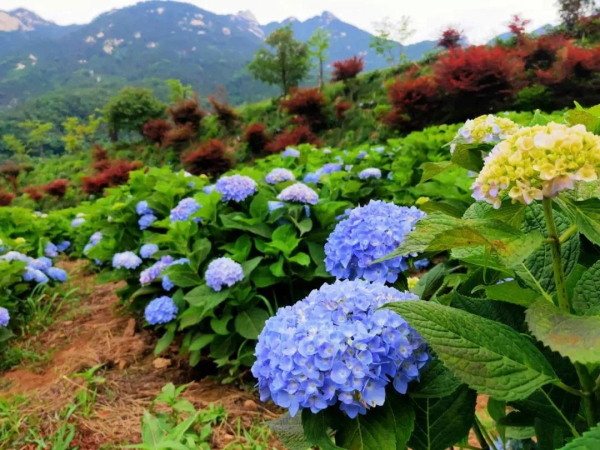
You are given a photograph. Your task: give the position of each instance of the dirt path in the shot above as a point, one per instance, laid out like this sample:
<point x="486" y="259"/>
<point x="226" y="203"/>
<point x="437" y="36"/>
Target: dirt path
<point x="97" y="332"/>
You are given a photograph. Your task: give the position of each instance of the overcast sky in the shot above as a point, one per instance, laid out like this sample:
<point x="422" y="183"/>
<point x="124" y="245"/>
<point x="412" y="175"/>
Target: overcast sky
<point x="480" y="19"/>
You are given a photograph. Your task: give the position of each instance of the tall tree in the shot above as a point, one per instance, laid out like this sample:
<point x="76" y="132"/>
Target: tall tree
<point x="78" y="133"/>
<point x="570" y="11"/>
<point x="390" y="38"/>
<point x="285" y="64"/>
<point x="15" y="146"/>
<point x="318" y="45"/>
<point x="38" y="133"/>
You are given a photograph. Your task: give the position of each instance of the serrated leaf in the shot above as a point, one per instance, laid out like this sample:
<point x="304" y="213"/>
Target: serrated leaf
<point x="436" y="381"/>
<point x="468" y="156"/>
<point x="576" y="117"/>
<point x="511" y="292"/>
<point x="538" y="119"/>
<point x="586" y="296"/>
<point x="504" y="313"/>
<point x="590" y="440"/>
<point x="315" y="430"/>
<point x="250" y="323"/>
<point x="182" y="275"/>
<point x="442" y="422"/>
<point x="384" y="427"/>
<point x="586" y="214"/>
<point x="165" y="340"/>
<point x="491" y="358"/>
<point x="249" y="266"/>
<point x="432" y="169"/>
<point x="290" y="432"/>
<point x="575" y="337"/>
<point x="451" y="207"/>
<point x="199" y="342"/>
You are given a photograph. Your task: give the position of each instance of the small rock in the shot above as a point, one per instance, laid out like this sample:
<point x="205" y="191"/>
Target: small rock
<point x="161" y="363"/>
<point x="250" y="405"/>
<point x="130" y="328"/>
<point x="122" y="364"/>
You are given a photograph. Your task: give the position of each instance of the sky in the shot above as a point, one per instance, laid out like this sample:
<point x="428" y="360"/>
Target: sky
<point x="481" y="20"/>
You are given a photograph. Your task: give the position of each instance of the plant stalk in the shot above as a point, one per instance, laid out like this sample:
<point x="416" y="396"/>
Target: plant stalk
<point x="479" y="436"/>
<point x="588" y="400"/>
<point x="559" y="273"/>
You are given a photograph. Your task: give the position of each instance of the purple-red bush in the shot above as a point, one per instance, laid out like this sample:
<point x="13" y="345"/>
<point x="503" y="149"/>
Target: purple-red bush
<point x="347" y="68"/>
<point x="179" y="136"/>
<point x="208" y="158"/>
<point x="6" y="198"/>
<point x="573" y="63"/>
<point x="116" y="174"/>
<point x="300" y="135"/>
<point x="450" y="38"/>
<point x="413" y="100"/>
<point x="57" y="188"/>
<point x="155" y="130"/>
<point x="308" y="104"/>
<point x="187" y="112"/>
<point x="226" y="115"/>
<point x="34" y="193"/>
<point x="10" y="172"/>
<point x="517" y="26"/>
<point x="256" y="138"/>
<point x="100" y="160"/>
<point x="540" y="53"/>
<point x="341" y="108"/>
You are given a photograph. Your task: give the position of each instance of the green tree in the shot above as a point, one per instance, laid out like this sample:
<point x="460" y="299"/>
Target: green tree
<point x="131" y="109"/>
<point x="178" y="92"/>
<point x="570" y="11"/>
<point x="318" y="45"/>
<point x="38" y="133"/>
<point x="15" y="146"/>
<point x="78" y="133"/>
<point x="390" y="38"/>
<point x="285" y="64"/>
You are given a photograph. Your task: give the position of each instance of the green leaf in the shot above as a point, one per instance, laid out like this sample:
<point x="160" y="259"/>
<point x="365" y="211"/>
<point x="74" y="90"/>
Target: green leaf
<point x="575" y="337"/>
<point x="442" y="422"/>
<point x="468" y="156"/>
<point x="431" y="282"/>
<point x="277" y="268"/>
<point x="436" y="381"/>
<point x="538" y="119"/>
<point x="290" y="432"/>
<point x="203" y="301"/>
<point x="305" y="226"/>
<point x="489" y="357"/>
<point x="200" y="252"/>
<point x="219" y="326"/>
<point x="432" y="169"/>
<point x="511" y="292"/>
<point x="201" y="341"/>
<point x="249" y="266"/>
<point x="224" y="346"/>
<point x="586" y="214"/>
<point x="259" y="208"/>
<point x="576" y="117"/>
<point x="586" y="296"/>
<point x="182" y="275"/>
<point x="250" y="323"/>
<point x="590" y="440"/>
<point x="5" y="334"/>
<point x="301" y="258"/>
<point x="508" y="314"/>
<point x="326" y="212"/>
<point x="262" y="277"/>
<point x="452" y="208"/>
<point x="384" y="427"/>
<point x="165" y="340"/>
<point x="316" y="430"/>
<point x="255" y="226"/>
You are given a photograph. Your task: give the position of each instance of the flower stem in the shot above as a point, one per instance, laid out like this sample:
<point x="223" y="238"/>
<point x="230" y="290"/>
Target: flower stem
<point x="567" y="234"/>
<point x="588" y="400"/>
<point x="559" y="273"/>
<point x="479" y="436"/>
<point x="568" y="389"/>
<point x="485" y="433"/>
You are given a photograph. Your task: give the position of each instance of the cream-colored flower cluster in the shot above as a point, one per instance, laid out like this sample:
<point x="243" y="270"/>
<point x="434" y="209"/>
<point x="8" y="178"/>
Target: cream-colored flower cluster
<point x="487" y="129"/>
<point x="538" y="162"/>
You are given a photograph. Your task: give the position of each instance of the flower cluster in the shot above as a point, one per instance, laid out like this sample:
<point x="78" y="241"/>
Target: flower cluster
<point x="142" y="208"/>
<point x="63" y="246"/>
<point x="93" y="241"/>
<point x="327" y="169"/>
<point x="276" y="176"/>
<point x="184" y="209"/>
<point x="39" y="270"/>
<point x="487" y="129"/>
<point x="291" y="153"/>
<point x="77" y="222"/>
<point x="538" y="162"/>
<point x="148" y="250"/>
<point x="127" y="260"/>
<point x="299" y="193"/>
<point x="236" y="188"/>
<point x="160" y="310"/>
<point x="223" y="272"/>
<point x="371" y="172"/>
<point x="167" y="284"/>
<point x="4" y="317"/>
<point x="208" y="189"/>
<point x="50" y="250"/>
<point x="153" y="272"/>
<point x="337" y="347"/>
<point x="369" y="233"/>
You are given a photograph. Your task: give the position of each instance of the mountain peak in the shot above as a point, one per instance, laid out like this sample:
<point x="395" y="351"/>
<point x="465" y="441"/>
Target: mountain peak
<point x="328" y="16"/>
<point x="21" y="20"/>
<point x="247" y="15"/>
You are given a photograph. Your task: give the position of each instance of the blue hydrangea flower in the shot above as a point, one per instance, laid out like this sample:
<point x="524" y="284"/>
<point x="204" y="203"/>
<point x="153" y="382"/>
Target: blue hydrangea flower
<point x="312" y="177"/>
<point x="4" y="317"/>
<point x="166" y="282"/>
<point x="35" y="275"/>
<point x="63" y="246"/>
<point x="42" y="264"/>
<point x="15" y="256"/>
<point x="378" y="149"/>
<point x="153" y="272"/>
<point x="127" y="260"/>
<point x="93" y="241"/>
<point x="223" y="272"/>
<point x="390" y="176"/>
<point x="50" y="250"/>
<point x="421" y="264"/>
<point x="299" y="193"/>
<point x="330" y="168"/>
<point x="236" y="187"/>
<point x="208" y="189"/>
<point x="291" y="153"/>
<point x="184" y="209"/>
<point x="362" y="154"/>
<point x="146" y="220"/>
<point x="275" y="205"/>
<point x="57" y="274"/>
<point x="77" y="222"/>
<point x="276" y="176"/>
<point x="371" y="172"/>
<point x="160" y="310"/>
<point x="337" y="348"/>
<point x="369" y="233"/>
<point x="142" y="208"/>
<point x="348" y="167"/>
<point x="148" y="250"/>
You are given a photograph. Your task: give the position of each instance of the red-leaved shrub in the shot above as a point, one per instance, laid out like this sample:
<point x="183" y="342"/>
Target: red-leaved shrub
<point x="10" y="172"/>
<point x="517" y="26"/>
<point x="450" y="38"/>
<point x="208" y="158"/>
<point x="187" y="112"/>
<point x="299" y="135"/>
<point x="347" y="68"/>
<point x="34" y="193"/>
<point x="341" y="108"/>
<point x="57" y="188"/>
<point x="414" y="101"/>
<point x="155" y="130"/>
<point x="6" y="198"/>
<point x="100" y="159"/>
<point x="477" y="79"/>
<point x="116" y="174"/>
<point x="179" y="137"/>
<point x="226" y="115"/>
<point x="256" y="138"/>
<point x="308" y="104"/>
<point x="540" y="53"/>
